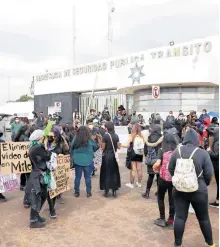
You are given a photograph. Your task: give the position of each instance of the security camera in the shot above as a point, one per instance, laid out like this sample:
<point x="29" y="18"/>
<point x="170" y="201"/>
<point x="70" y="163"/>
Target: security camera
<point x="113" y="9"/>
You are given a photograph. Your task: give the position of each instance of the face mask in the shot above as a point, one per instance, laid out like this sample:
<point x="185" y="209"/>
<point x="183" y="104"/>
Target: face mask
<point x="91" y="127"/>
<point x="50" y="139"/>
<point x="203" y="112"/>
<point x="16" y="121"/>
<point x="180" y="118"/>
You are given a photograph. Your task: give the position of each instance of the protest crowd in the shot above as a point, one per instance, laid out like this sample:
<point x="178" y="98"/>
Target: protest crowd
<point x="180" y="152"/>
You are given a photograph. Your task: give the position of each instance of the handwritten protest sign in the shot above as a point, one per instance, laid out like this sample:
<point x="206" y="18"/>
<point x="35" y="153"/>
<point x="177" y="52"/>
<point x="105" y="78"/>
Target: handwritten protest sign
<point x="9" y="183"/>
<point x="61" y="175"/>
<point x="14" y="158"/>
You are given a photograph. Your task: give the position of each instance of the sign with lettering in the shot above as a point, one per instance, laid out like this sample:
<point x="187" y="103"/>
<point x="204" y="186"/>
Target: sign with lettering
<point x="14" y="158"/>
<point x="186" y="50"/>
<point x="57" y="106"/>
<point x="155" y="92"/>
<point x="92" y="68"/>
<point x="61" y="176"/>
<point x="9" y="183"/>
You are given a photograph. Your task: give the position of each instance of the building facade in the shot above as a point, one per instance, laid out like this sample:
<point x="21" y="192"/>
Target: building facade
<point x="187" y="75"/>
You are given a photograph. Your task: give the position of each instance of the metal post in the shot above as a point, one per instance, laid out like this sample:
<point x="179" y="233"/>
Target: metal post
<point x="91" y="98"/>
<point x="74" y="35"/>
<point x="110" y="30"/>
<point x="181" y="96"/>
<point x="8" y="88"/>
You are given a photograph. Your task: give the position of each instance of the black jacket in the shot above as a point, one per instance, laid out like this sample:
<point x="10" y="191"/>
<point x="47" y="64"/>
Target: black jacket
<point x="38" y="156"/>
<point x="201" y="159"/>
<point x="214" y="153"/>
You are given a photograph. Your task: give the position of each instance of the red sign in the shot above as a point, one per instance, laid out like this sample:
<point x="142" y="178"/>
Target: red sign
<point x="58" y="104"/>
<point x="156" y="92"/>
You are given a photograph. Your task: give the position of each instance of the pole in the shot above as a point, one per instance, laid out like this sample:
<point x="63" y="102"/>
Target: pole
<point x="91" y="98"/>
<point x="8" y="89"/>
<point x="74" y="35"/>
<point x="110" y="30"/>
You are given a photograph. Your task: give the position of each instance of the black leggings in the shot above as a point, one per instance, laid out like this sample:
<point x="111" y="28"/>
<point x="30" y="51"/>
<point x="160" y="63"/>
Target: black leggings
<point x="51" y="203"/>
<point x="23" y="180"/>
<point x="216" y="170"/>
<point x="151" y="180"/>
<point x="163" y="186"/>
<point x="199" y="202"/>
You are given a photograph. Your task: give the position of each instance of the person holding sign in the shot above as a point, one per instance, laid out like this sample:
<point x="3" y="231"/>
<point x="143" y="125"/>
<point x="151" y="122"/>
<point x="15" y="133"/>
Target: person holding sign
<point x="38" y="181"/>
<point x="56" y="143"/>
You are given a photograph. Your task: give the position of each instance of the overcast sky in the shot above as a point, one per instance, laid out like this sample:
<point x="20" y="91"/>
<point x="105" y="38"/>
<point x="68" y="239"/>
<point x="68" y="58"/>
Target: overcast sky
<point x="36" y="35"/>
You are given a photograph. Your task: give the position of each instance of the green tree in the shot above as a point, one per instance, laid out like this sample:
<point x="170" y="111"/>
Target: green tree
<point x="24" y="98"/>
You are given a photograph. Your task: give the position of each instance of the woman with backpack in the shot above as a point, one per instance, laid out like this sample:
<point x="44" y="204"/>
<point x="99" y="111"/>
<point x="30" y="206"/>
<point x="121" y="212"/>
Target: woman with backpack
<point x="169" y="144"/>
<point x="136" y="143"/>
<point x="153" y="144"/>
<point x="191" y="170"/>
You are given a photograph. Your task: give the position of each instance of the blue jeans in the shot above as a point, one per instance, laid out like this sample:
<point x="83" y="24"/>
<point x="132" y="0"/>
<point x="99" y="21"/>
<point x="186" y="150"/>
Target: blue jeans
<point x="87" y="175"/>
<point x="92" y="167"/>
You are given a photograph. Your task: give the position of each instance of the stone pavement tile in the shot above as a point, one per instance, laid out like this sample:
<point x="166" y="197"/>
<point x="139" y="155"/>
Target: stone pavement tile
<point x="127" y="221"/>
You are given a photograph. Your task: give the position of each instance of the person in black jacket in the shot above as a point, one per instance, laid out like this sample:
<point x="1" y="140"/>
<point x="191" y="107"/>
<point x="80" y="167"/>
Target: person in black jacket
<point x="178" y="124"/>
<point x="214" y="154"/>
<point x="36" y="185"/>
<point x="21" y="136"/>
<point x="153" y="144"/>
<point x="198" y="199"/>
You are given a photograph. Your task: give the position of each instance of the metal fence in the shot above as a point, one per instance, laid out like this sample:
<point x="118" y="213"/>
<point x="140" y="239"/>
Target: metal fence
<point x="111" y="99"/>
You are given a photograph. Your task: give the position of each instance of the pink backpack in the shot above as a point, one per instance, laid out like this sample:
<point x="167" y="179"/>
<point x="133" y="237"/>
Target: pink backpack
<point x="164" y="172"/>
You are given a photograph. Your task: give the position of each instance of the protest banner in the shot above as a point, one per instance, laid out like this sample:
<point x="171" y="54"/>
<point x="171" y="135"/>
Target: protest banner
<point x="14" y="158"/>
<point x="9" y="183"/>
<point x="61" y="175"/>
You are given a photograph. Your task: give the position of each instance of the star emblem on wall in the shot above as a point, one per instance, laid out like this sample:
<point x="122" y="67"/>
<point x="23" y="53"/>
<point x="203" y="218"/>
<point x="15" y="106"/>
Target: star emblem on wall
<point x="136" y="74"/>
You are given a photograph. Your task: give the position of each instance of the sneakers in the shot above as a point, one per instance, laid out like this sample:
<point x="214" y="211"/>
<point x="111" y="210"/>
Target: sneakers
<point x="37" y="224"/>
<point x="214" y="245"/>
<point x="22" y="188"/>
<point x="138" y="185"/>
<point x="160" y="222"/>
<point x="214" y="205"/>
<point x="76" y="194"/>
<point x="129" y="185"/>
<point x="60" y="200"/>
<point x="53" y="215"/>
<point x="2" y="198"/>
<point x="89" y="195"/>
<point x="146" y="195"/>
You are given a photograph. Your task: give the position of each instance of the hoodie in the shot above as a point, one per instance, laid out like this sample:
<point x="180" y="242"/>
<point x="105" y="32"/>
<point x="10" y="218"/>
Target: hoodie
<point x="201" y="159"/>
<point x="206" y="124"/>
<point x="214" y="153"/>
<point x="153" y="144"/>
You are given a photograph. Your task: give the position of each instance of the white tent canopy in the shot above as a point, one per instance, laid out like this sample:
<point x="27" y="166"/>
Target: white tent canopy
<point x="22" y="109"/>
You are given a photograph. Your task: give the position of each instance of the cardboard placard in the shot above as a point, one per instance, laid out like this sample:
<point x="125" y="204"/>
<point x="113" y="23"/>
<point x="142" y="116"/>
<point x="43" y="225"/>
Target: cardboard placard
<point x="14" y="158"/>
<point x="9" y="183"/>
<point x="61" y="175"/>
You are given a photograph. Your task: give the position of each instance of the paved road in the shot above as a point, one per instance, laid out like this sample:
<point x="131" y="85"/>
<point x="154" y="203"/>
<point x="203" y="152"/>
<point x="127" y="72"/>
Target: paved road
<point x="97" y="222"/>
